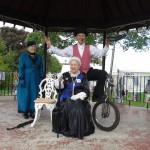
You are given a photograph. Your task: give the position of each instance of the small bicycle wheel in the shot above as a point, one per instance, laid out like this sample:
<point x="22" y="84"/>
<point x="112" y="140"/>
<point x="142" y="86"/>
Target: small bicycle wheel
<point x="106" y="115"/>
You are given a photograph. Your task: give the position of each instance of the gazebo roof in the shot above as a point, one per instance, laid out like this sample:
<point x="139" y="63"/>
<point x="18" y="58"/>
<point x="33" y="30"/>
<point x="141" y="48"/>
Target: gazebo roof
<point x="65" y="15"/>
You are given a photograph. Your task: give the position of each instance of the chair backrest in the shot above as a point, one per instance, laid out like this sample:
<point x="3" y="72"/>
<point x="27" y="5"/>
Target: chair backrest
<point x="47" y="88"/>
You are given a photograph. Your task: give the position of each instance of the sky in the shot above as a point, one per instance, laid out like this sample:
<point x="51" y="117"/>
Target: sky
<point x="131" y="60"/>
<point x="17" y="26"/>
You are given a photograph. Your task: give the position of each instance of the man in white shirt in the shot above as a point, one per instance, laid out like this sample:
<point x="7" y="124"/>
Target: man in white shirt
<point x="85" y="53"/>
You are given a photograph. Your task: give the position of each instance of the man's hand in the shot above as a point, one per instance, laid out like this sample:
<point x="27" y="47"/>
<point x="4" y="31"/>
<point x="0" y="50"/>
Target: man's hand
<point x="107" y="43"/>
<point x="48" y="42"/>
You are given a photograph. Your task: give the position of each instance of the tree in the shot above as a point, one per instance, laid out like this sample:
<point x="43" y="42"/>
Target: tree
<point x="14" y="38"/>
<point x="15" y="43"/>
<point x="12" y="41"/>
<point x="54" y="66"/>
<point x="137" y="39"/>
<point x="11" y="60"/>
<point x="3" y="66"/>
<point x="2" y="47"/>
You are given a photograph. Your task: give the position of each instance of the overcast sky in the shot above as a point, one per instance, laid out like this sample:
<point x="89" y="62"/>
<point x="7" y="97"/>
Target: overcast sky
<point x="17" y="26"/>
<point x="132" y="61"/>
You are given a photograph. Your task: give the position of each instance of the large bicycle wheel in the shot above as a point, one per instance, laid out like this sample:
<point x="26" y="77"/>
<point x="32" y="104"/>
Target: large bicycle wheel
<point x="106" y="115"/>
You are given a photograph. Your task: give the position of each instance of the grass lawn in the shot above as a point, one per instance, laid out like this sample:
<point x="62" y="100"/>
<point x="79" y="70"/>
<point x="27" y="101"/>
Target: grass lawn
<point x="139" y="103"/>
<point x="134" y="103"/>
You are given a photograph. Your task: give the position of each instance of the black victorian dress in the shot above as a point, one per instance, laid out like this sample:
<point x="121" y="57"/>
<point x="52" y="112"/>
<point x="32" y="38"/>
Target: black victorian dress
<point x="73" y="117"/>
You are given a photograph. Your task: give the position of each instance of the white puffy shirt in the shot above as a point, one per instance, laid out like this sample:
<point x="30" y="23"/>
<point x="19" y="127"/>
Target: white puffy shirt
<point x="68" y="51"/>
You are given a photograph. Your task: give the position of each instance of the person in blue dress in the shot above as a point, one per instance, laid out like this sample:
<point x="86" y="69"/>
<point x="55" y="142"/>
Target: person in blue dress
<point x="73" y="117"/>
<point x="30" y="74"/>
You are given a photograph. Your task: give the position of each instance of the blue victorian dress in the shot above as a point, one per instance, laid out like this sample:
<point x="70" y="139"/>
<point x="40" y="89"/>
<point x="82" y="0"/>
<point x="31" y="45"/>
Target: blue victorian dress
<point x="30" y="74"/>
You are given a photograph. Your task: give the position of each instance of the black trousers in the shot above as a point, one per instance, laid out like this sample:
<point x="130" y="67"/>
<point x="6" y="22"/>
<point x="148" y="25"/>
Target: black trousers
<point x="100" y="76"/>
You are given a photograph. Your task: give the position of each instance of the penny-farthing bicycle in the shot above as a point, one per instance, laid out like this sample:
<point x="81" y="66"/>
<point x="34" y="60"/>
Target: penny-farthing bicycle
<point x="105" y="113"/>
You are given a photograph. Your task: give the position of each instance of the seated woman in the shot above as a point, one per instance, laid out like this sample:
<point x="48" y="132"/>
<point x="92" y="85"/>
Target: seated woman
<point x="74" y="113"/>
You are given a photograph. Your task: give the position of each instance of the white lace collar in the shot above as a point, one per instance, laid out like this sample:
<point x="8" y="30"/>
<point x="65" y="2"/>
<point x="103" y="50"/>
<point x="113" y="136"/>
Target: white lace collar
<point x="74" y="75"/>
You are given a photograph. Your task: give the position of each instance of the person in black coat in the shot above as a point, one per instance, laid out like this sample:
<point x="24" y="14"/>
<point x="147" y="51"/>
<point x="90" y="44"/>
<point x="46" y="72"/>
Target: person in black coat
<point x="74" y="115"/>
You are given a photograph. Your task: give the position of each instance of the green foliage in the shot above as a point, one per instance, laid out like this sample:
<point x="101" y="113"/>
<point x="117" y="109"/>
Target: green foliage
<point x="11" y="60"/>
<point x="3" y="66"/>
<point x="58" y="39"/>
<point x="2" y="47"/>
<point x="138" y="40"/>
<point x="38" y="37"/>
<point x="94" y="39"/>
<point x="12" y="41"/>
<point x="97" y="61"/>
<point x="53" y="64"/>
<point x="14" y="38"/>
<point x="61" y="40"/>
<point x="134" y="103"/>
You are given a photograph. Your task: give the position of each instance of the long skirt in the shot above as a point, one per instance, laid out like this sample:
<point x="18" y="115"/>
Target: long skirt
<point x="73" y="119"/>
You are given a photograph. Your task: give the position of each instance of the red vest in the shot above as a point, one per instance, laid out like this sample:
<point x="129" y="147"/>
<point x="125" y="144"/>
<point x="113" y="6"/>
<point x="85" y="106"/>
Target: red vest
<point x="85" y="59"/>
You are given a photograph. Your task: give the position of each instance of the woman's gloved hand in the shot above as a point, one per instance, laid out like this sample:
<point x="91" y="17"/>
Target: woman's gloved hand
<point x="74" y="97"/>
<point x="80" y="95"/>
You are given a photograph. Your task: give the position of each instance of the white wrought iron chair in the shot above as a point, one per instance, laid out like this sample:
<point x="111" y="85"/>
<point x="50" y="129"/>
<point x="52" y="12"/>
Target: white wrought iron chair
<point x="47" y="88"/>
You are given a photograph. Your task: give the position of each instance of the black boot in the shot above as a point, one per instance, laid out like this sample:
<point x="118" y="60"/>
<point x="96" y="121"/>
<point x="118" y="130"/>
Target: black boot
<point x="25" y="115"/>
<point x="98" y="92"/>
<point x="96" y="95"/>
<point x="32" y="115"/>
<point x="98" y="98"/>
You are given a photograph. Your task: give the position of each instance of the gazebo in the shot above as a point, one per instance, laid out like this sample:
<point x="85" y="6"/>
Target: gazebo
<point x="105" y="16"/>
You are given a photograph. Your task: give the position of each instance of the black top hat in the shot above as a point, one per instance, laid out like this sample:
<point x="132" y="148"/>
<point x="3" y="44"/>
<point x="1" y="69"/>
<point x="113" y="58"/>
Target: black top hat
<point x="80" y="30"/>
<point x="30" y="43"/>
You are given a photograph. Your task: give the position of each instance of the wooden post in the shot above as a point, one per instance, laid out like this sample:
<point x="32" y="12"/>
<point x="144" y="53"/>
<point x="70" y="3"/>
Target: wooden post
<point x="103" y="58"/>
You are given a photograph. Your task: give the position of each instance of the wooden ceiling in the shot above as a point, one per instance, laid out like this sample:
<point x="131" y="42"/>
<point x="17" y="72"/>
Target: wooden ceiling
<point x="65" y="15"/>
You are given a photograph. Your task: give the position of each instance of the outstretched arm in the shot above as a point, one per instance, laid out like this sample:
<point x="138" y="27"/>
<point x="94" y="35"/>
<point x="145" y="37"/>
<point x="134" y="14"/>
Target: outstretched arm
<point x="66" y="52"/>
<point x="97" y="53"/>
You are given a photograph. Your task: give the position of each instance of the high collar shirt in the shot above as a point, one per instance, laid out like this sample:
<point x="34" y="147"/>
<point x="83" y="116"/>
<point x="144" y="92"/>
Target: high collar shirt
<point x="68" y="51"/>
<point x="81" y="48"/>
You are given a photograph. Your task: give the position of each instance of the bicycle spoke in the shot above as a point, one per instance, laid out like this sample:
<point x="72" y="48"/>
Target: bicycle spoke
<point x="106" y="115"/>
